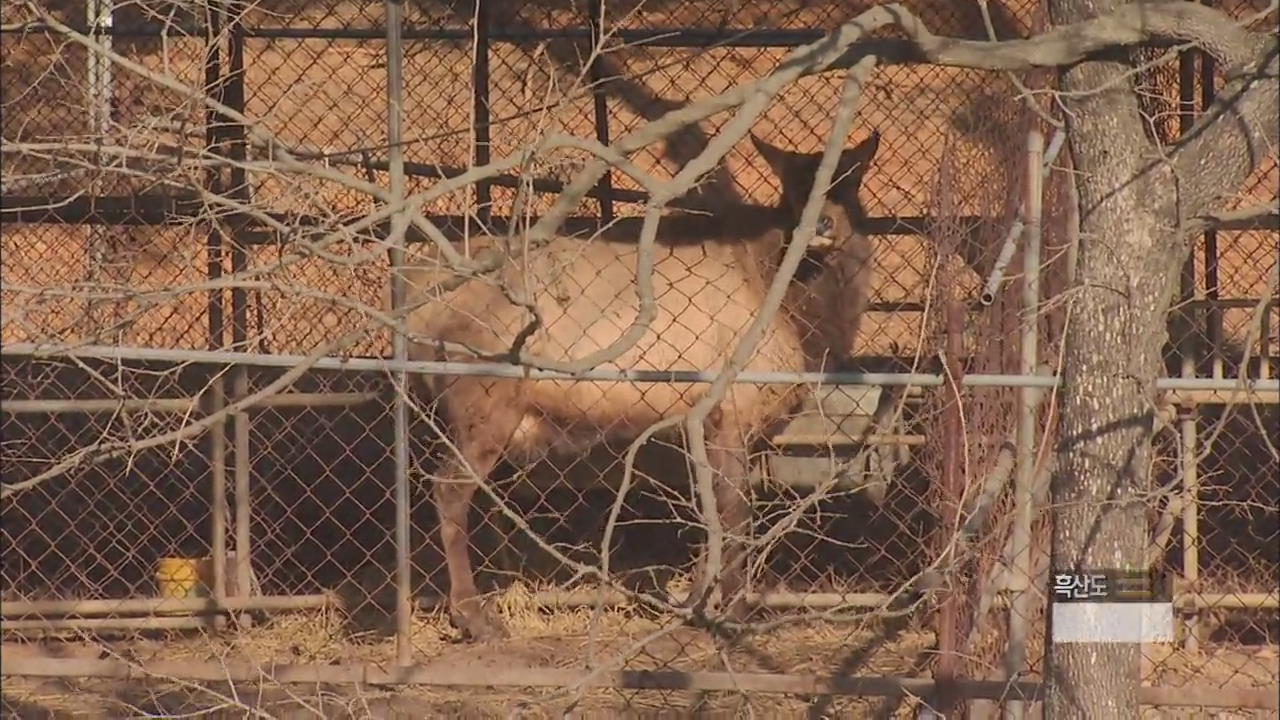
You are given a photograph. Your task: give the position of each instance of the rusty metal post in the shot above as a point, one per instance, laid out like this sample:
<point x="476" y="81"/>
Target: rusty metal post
<point x="217" y="328"/>
<point x="595" y="10"/>
<point x="480" y="112"/>
<point x="949" y="631"/>
<point x="239" y="189"/>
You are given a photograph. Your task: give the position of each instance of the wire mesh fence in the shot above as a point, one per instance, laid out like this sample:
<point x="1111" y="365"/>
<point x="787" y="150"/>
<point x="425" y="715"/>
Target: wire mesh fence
<point x="242" y="508"/>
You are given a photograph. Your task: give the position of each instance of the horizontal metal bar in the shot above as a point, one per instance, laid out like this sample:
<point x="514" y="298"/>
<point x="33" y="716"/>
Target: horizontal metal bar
<point x="653" y="37"/>
<point x="1227" y="601"/>
<point x="154" y="606"/>
<point x="57" y="406"/>
<point x="1234" y="396"/>
<point x="506" y="370"/>
<point x="53" y="406"/>
<point x="844" y="439"/>
<point x="889" y="50"/>
<point x="134" y="624"/>
<point x="657" y="37"/>
<point x="162" y="209"/>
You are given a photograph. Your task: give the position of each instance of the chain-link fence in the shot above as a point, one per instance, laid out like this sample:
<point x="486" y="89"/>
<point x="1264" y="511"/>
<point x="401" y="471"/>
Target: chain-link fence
<point x="202" y="478"/>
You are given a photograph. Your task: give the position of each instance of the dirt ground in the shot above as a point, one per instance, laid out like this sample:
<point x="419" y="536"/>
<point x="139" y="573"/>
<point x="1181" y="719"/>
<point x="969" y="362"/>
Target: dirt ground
<point x="561" y="640"/>
<point x="566" y="640"/>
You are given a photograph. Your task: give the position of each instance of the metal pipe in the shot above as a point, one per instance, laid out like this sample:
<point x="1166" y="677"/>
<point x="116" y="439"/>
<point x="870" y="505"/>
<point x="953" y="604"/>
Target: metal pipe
<point x="171" y="209"/>
<point x="399" y="344"/>
<point x="547" y="599"/>
<point x="1264" y="341"/>
<point x="243" y="504"/>
<point x="284" y="401"/>
<point x="1212" y="287"/>
<point x="218" y="507"/>
<point x="1190" y="515"/>
<point x="1186" y="325"/>
<point x="479" y="108"/>
<point x="595" y="15"/>
<point x="156" y="606"/>
<point x="101" y="15"/>
<point x="55" y="406"/>
<point x="653" y="38"/>
<point x="217" y="330"/>
<point x="1028" y="415"/>
<point x="851" y="439"/>
<point x="1007" y="248"/>
<point x="237" y="150"/>
<point x="505" y="370"/>
<point x="100" y="624"/>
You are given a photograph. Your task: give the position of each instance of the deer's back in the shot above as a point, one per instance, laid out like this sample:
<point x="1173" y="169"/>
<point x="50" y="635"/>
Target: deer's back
<point x="585" y="293"/>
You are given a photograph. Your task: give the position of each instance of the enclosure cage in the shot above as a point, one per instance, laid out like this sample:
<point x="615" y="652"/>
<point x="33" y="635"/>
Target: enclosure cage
<point x="198" y="370"/>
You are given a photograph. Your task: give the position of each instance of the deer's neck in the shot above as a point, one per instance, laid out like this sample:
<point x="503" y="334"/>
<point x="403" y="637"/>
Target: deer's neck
<point x="761" y="245"/>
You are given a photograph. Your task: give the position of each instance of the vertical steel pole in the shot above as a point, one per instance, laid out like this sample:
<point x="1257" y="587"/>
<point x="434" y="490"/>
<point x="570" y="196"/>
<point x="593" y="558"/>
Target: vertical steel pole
<point x="600" y="98"/>
<point x="1211" y="285"/>
<point x="1187" y="346"/>
<point x="1028" y="404"/>
<point x="100" y="15"/>
<point x="217" y="393"/>
<point x="399" y="350"/>
<point x="99" y="18"/>
<point x="235" y="98"/>
<point x="480" y="109"/>
<point x="1264" y="341"/>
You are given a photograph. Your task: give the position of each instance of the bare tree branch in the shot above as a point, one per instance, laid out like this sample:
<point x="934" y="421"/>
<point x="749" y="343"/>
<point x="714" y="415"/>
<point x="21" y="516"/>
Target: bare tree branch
<point x="695" y="420"/>
<point x="1131" y="24"/>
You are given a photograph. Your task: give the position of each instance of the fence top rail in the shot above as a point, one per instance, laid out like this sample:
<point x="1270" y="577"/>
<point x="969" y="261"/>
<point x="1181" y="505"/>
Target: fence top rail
<point x="506" y="370"/>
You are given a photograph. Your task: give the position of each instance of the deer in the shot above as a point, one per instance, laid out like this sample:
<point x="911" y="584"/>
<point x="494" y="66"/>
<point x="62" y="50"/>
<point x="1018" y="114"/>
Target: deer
<point x="710" y="276"/>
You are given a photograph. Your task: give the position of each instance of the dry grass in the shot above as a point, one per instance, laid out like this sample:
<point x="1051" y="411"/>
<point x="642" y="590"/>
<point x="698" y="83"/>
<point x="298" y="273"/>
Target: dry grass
<point x="569" y="640"/>
<point x="562" y="639"/>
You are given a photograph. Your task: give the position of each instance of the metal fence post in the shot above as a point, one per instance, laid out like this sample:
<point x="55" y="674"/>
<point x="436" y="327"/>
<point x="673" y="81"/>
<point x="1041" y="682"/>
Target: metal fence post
<point x="239" y="189"/>
<point x="949" y="631"/>
<point x="1028" y="405"/>
<point x="1185" y="327"/>
<point x="217" y="330"/>
<point x="595" y="11"/>
<point x="399" y="350"/>
<point x="480" y="110"/>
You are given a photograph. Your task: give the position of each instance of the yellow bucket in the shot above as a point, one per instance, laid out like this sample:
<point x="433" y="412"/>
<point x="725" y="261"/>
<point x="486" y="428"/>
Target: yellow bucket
<point x="181" y="578"/>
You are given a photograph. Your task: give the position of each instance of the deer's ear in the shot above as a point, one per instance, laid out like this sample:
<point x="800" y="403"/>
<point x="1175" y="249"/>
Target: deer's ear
<point x="780" y="161"/>
<point x="854" y="163"/>
<point x="793" y="170"/>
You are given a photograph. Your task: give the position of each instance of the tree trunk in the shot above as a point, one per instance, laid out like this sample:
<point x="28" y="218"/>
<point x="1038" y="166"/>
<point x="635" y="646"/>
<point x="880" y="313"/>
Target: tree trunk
<point x="1111" y="362"/>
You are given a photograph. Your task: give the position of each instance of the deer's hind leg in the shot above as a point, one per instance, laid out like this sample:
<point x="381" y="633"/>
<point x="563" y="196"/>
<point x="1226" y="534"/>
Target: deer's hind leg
<point x="482" y="417"/>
